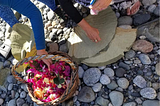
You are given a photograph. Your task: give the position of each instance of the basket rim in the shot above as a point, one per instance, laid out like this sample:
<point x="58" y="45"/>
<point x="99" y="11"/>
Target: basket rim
<point x="57" y="55"/>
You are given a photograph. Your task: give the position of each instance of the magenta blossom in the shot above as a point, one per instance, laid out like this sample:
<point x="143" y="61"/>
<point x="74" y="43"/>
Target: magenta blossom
<point x="43" y="79"/>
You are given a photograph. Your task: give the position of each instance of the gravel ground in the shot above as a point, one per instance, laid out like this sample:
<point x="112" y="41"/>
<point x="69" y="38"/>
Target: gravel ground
<point x="134" y="80"/>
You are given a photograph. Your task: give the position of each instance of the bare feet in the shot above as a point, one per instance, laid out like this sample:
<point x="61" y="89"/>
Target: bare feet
<point x="134" y="8"/>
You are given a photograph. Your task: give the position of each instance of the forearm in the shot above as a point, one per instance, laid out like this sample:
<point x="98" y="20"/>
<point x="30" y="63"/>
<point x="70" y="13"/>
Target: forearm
<point x="7" y="14"/>
<point x="84" y="24"/>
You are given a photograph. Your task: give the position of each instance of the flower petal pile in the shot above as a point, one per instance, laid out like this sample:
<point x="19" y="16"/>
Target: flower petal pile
<point x="48" y="84"/>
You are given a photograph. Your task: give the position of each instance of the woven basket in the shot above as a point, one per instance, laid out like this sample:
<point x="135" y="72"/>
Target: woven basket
<point x="72" y="86"/>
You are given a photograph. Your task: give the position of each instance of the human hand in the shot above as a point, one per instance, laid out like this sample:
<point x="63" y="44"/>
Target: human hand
<point x="48" y="62"/>
<point x="100" y="5"/>
<point x="91" y="32"/>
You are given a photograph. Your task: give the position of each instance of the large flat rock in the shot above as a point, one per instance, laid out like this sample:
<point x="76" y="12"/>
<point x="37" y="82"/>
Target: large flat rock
<point x="3" y="75"/>
<point x="150" y="30"/>
<point x="121" y="43"/>
<point x="80" y="46"/>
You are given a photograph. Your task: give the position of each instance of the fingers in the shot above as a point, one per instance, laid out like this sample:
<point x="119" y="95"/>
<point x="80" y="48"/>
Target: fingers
<point x="96" y="6"/>
<point x="48" y="62"/>
<point x="96" y="38"/>
<point x="101" y="5"/>
<point x="94" y="35"/>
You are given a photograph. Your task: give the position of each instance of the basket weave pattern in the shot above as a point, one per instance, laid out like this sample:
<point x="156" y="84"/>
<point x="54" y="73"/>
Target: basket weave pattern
<point x="71" y="88"/>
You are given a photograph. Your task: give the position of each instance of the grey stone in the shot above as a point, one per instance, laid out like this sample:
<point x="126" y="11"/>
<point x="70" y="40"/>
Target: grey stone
<point x="151" y="103"/>
<point x="78" y="103"/>
<point x="91" y="76"/>
<point x="25" y="104"/>
<point x="68" y="103"/>
<point x="120" y="72"/>
<point x="29" y="100"/>
<point x="123" y="83"/>
<point x="11" y="79"/>
<point x="156" y="85"/>
<point x="140" y="81"/>
<point x="1" y="65"/>
<point x="130" y="54"/>
<point x="86" y="95"/>
<point x="138" y="100"/>
<point x="10" y="86"/>
<point x="3" y="75"/>
<point x="20" y="101"/>
<point x="2" y="59"/>
<point x="148" y="93"/>
<point x="74" y="98"/>
<point x="144" y="59"/>
<point x="24" y="87"/>
<point x="80" y="72"/>
<point x="140" y="19"/>
<point x="112" y="85"/>
<point x="158" y="96"/>
<point x="157" y="11"/>
<point x="158" y="68"/>
<point x="7" y="63"/>
<point x="63" y="48"/>
<point x="151" y="8"/>
<point x="137" y="61"/>
<point x="125" y="66"/>
<point x="97" y="87"/>
<point x="12" y="94"/>
<point x="125" y="26"/>
<point x="1" y="101"/>
<point x="53" y="47"/>
<point x="23" y="94"/>
<point x="128" y="62"/>
<point x="129" y="104"/>
<point x="12" y="102"/>
<point x="125" y="20"/>
<point x="102" y="101"/>
<point x="148" y="2"/>
<point x="101" y="67"/>
<point x="4" y="95"/>
<point x="105" y="79"/>
<point x="109" y="72"/>
<point x="116" y="98"/>
<point x="150" y="30"/>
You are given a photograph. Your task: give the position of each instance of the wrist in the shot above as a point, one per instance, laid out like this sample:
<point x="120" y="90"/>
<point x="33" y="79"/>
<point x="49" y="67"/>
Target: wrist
<point x="84" y="24"/>
<point x="41" y="52"/>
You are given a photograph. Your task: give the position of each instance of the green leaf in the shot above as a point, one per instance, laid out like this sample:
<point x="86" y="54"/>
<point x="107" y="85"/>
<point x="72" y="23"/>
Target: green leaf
<point x="41" y="70"/>
<point x="61" y="81"/>
<point x="54" y="61"/>
<point x="56" y="81"/>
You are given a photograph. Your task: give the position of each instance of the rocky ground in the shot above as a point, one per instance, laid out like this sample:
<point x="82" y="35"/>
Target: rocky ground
<point x="134" y="80"/>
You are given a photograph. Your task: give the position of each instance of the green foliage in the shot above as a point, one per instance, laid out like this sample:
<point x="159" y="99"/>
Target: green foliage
<point x="58" y="80"/>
